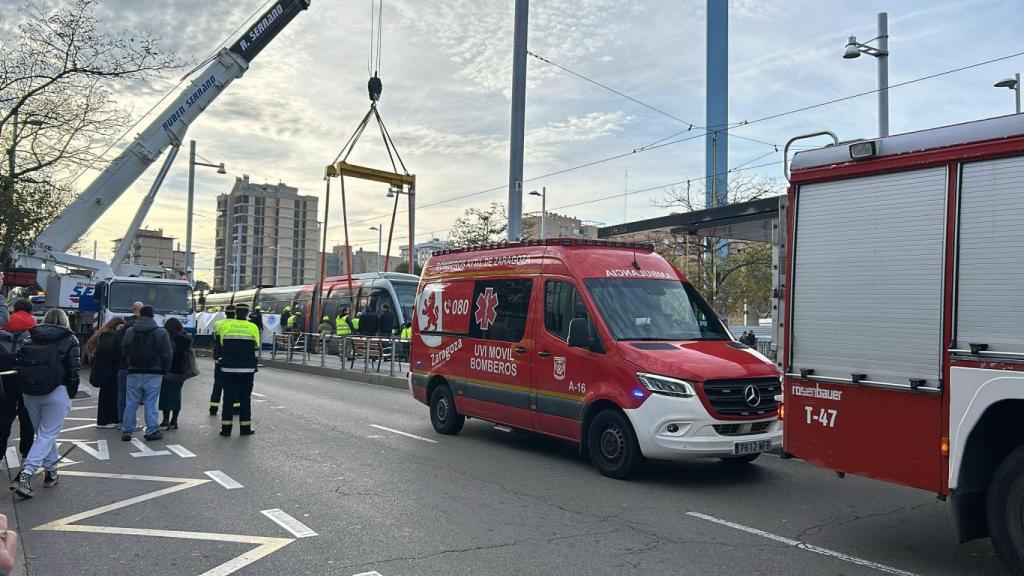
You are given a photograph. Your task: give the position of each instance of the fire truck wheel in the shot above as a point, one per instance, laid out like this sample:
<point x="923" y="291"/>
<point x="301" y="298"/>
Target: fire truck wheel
<point x="442" y="411"/>
<point x="612" y="445"/>
<point x="1005" y="511"/>
<point x="740" y="460"/>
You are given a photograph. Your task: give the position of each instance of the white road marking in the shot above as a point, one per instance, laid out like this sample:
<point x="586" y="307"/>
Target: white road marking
<point x="266" y="545"/>
<point x="284" y="520"/>
<point x="102" y="451"/>
<point x="258" y="395"/>
<point x="80" y="419"/>
<point x="803" y="546"/>
<point x="13" y="461"/>
<point x="392" y="430"/>
<point x="223" y="479"/>
<point x="374" y="573"/>
<point x="82" y="407"/>
<point x="80" y="427"/>
<point x="180" y="450"/>
<point x="146" y="450"/>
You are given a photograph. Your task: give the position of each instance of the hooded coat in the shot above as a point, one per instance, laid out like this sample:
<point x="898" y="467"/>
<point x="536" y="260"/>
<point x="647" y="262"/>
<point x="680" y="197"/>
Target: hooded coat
<point x="161" y="340"/>
<point x="67" y="348"/>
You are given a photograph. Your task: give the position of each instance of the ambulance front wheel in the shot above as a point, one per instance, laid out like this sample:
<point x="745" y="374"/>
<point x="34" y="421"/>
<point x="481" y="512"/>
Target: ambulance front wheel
<point x="442" y="411"/>
<point x="612" y="445"/>
<point x="1005" y="511"/>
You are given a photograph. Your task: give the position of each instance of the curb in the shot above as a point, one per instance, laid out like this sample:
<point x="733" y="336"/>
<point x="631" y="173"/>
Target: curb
<point x="349" y="375"/>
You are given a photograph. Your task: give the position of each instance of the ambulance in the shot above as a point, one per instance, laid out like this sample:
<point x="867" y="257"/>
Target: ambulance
<point x="600" y="343"/>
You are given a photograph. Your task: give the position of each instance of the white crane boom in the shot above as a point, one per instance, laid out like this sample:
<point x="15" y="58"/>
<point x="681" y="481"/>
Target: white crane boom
<point x="167" y="129"/>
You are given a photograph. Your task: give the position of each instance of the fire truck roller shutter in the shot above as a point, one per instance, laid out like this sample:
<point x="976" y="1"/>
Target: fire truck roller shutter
<point x="869" y="271"/>
<point x="990" y="279"/>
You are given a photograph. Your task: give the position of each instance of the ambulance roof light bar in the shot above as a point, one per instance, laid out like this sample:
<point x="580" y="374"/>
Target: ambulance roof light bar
<point x="570" y="242"/>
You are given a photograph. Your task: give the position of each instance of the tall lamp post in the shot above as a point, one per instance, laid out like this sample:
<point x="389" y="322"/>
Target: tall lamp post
<point x="854" y="49"/>
<point x="189" y="265"/>
<point x="378" y="229"/>
<point x="411" y="193"/>
<point x="1012" y="84"/>
<point x="543" y="210"/>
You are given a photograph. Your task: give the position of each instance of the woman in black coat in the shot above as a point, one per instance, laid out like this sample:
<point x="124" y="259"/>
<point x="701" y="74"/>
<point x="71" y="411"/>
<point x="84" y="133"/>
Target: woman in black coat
<point x="106" y="354"/>
<point x="170" y="388"/>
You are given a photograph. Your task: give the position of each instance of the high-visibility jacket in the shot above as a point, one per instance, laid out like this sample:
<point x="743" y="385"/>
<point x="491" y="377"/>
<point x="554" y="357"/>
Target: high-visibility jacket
<point x="406" y="333"/>
<point x="239" y="340"/>
<point x="215" y="330"/>
<point x="343" y="326"/>
<point x="291" y="321"/>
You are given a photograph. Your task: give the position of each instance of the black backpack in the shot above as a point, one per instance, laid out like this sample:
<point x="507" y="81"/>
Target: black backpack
<point x="144" y="351"/>
<point x="40" y="368"/>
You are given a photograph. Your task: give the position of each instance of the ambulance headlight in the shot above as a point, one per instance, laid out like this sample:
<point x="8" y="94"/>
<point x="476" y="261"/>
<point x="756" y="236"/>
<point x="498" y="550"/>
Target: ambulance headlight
<point x="665" y="385"/>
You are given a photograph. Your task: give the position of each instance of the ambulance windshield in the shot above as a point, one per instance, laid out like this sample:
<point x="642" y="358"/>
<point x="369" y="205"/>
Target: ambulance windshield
<point x="644" y="309"/>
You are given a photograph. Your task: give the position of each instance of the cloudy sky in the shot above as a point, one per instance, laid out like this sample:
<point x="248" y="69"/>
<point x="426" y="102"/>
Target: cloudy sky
<point x="447" y="72"/>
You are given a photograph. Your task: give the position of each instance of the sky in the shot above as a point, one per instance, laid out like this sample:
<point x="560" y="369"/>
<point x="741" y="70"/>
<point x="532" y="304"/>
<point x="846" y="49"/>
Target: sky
<point x="446" y="70"/>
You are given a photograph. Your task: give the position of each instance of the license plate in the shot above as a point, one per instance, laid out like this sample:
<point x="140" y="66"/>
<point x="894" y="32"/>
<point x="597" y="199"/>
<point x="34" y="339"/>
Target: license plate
<point x="752" y="447"/>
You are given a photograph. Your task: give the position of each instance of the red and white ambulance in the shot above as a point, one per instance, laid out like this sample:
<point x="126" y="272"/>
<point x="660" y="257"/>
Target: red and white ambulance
<point x="904" y="324"/>
<point x="600" y="343"/>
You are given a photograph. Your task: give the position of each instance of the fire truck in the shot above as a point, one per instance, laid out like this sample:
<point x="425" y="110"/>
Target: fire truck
<point x="904" y="318"/>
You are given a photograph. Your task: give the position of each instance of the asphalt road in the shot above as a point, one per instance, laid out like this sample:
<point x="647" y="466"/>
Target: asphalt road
<point x="332" y="456"/>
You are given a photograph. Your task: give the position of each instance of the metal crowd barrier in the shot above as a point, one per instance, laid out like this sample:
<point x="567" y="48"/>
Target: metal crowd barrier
<point x="354" y="352"/>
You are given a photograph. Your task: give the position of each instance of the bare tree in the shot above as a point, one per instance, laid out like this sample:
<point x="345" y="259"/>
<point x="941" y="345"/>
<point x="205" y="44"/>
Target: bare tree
<point x="479" y="226"/>
<point x="728" y="273"/>
<point x="57" y="111"/>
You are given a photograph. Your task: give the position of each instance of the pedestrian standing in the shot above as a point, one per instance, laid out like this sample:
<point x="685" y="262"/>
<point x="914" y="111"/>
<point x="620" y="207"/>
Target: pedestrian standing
<point x="148" y="349"/>
<point x="49" y="380"/>
<point x="238" y="342"/>
<point x="386" y="328"/>
<point x="170" y="388"/>
<point x="367" y="322"/>
<point x="106" y="355"/>
<point x="122" y="365"/>
<point x="16" y="328"/>
<point x="218" y="377"/>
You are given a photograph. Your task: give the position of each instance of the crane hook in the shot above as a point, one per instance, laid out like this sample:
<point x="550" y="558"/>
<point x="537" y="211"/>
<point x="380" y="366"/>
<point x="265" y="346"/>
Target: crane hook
<point x="375" y="87"/>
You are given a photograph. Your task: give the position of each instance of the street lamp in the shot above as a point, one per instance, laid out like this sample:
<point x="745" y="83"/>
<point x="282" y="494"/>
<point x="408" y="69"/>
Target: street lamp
<point x="1012" y="84"/>
<point x="854" y="49"/>
<point x="543" y="210"/>
<point x="378" y="229"/>
<point x="277" y="263"/>
<point x="411" y="193"/>
<point x="189" y="265"/>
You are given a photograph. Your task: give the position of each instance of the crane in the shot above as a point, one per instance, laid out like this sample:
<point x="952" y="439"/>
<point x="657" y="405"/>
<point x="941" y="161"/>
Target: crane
<point x="167" y="130"/>
<point x="113" y="295"/>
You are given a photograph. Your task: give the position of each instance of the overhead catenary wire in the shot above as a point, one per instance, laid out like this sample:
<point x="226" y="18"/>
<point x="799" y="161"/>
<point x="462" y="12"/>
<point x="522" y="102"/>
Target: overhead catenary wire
<point x="657" y="144"/>
<point x="690" y="125"/>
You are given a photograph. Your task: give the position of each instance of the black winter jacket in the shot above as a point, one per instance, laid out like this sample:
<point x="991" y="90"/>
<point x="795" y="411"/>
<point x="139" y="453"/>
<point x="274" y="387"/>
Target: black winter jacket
<point x="67" y="347"/>
<point x="162" y="341"/>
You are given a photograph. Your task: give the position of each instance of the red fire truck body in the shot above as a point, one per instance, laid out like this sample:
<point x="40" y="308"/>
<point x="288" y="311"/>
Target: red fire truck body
<point x="904" y="318"/>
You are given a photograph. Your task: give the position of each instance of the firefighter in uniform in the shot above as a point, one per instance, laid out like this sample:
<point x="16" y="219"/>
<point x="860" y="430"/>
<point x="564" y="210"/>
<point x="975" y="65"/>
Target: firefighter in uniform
<point x="238" y="341"/>
<point x="218" y="382"/>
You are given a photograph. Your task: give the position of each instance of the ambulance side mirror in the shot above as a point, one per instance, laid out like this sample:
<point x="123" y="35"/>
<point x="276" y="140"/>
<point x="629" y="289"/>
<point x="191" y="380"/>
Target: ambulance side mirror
<point x="579" y="333"/>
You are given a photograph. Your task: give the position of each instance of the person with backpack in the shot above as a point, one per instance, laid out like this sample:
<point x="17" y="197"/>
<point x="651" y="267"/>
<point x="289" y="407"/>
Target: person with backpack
<point x="238" y="340"/>
<point x="105" y="352"/>
<point x="13" y="334"/>
<point x="122" y="365"/>
<point x="148" y="350"/>
<point x="181" y="366"/>
<point x="48" y="374"/>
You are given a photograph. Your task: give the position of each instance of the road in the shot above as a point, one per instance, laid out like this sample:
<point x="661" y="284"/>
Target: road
<point x="368" y="487"/>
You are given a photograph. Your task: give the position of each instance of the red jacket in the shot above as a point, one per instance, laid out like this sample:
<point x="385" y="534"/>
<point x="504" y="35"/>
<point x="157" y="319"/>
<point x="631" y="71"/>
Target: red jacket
<point x="20" y="321"/>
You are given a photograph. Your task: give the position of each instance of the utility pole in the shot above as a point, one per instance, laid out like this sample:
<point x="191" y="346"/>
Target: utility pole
<point x="517" y="137"/>
<point x="717" y="96"/>
<point x="883" y="74"/>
